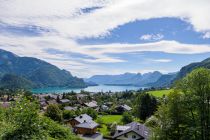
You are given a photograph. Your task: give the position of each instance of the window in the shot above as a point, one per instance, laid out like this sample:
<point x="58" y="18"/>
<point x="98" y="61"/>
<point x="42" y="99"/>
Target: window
<point x="125" y="135"/>
<point x="134" y="136"/>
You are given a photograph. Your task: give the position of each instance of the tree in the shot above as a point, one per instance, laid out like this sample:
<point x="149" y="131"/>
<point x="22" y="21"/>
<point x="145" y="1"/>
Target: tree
<point x="186" y="113"/>
<point x="127" y="118"/>
<point x="91" y="112"/>
<point x="22" y="122"/>
<point x="146" y="105"/>
<point x="67" y="114"/>
<point x="54" y="113"/>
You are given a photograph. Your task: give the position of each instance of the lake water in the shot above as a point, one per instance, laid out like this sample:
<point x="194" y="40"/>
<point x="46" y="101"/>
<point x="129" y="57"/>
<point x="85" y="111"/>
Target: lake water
<point x="99" y="88"/>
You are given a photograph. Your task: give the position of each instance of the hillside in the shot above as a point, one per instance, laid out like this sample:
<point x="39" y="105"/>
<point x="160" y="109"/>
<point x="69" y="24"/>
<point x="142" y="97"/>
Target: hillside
<point x="39" y="72"/>
<point x="164" y="81"/>
<point x="187" y="69"/>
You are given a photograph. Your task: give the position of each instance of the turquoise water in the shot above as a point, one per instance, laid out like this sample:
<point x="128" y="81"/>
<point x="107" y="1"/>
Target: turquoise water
<point x="99" y="88"/>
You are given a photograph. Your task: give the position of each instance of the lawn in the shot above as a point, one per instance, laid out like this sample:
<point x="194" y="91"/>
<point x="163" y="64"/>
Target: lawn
<point x="107" y="119"/>
<point x="160" y="93"/>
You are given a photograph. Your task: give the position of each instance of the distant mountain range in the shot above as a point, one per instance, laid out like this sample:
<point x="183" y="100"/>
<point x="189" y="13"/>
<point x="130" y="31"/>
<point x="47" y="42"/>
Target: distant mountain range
<point x="30" y="72"/>
<point x="136" y="79"/>
<point x="152" y="79"/>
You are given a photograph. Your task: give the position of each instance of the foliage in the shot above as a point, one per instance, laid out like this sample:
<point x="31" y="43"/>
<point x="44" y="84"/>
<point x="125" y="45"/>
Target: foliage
<point x="54" y="113"/>
<point x="146" y="105"/>
<point x="127" y="118"/>
<point x="38" y="72"/>
<point x="21" y="122"/>
<point x="68" y="114"/>
<point x="91" y="112"/>
<point x="186" y="113"/>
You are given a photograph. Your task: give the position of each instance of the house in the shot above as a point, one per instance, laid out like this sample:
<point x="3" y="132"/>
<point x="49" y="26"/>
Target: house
<point x="64" y="101"/>
<point x="104" y="108"/>
<point x="92" y="104"/>
<point x="53" y="101"/>
<point x="131" y="131"/>
<point x="81" y="96"/>
<point x="86" y="128"/>
<point x="123" y="108"/>
<point x="80" y="119"/>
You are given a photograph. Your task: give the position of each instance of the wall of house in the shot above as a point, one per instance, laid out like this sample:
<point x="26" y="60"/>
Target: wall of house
<point x="85" y="131"/>
<point x="73" y="122"/>
<point x="130" y="136"/>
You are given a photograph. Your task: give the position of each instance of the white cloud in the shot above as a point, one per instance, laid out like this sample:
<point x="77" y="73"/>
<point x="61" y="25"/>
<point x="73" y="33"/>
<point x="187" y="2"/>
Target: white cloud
<point x="66" y="22"/>
<point x="206" y="35"/>
<point x="152" y="37"/>
<point x="162" y="60"/>
<point x="64" y="16"/>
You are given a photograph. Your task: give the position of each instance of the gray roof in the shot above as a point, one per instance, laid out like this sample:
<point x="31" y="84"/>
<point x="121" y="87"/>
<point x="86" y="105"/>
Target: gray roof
<point x="83" y="118"/>
<point x="91" y="104"/>
<point x="52" y="101"/>
<point x="65" y="101"/>
<point x="89" y="125"/>
<point x="69" y="108"/>
<point x="126" y="107"/>
<point x="138" y="128"/>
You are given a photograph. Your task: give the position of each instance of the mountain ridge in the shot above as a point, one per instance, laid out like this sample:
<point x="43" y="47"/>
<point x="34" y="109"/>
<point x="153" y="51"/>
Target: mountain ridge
<point x="39" y="72"/>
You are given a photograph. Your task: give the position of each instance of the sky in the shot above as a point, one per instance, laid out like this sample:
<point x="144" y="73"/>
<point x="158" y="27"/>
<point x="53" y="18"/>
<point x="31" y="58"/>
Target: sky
<point x="91" y="37"/>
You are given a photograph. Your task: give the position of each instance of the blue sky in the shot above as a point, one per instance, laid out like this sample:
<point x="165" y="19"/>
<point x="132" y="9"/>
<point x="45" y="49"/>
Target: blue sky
<point x="89" y="37"/>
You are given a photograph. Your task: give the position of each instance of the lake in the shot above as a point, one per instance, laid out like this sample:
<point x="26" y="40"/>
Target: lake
<point x="99" y="88"/>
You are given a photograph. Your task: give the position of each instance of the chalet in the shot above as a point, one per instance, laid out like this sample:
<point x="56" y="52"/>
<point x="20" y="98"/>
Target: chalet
<point x="131" y="131"/>
<point x="80" y="119"/>
<point x="123" y="108"/>
<point x="86" y="128"/>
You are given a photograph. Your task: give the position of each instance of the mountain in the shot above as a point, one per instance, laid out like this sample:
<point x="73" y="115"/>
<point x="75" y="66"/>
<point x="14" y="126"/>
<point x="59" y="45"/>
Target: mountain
<point x="164" y="81"/>
<point x="38" y="72"/>
<point x="126" y="79"/>
<point x="187" y="69"/>
<point x="11" y="81"/>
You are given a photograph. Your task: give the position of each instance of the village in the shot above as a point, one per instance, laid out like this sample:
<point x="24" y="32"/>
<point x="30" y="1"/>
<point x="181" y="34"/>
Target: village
<point x="93" y="116"/>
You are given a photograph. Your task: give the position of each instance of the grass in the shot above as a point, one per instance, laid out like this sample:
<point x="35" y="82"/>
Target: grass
<point x="108" y="119"/>
<point x="104" y="130"/>
<point x="160" y="93"/>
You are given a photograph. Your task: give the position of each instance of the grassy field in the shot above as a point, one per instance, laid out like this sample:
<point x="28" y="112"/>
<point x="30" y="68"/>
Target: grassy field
<point x="160" y="93"/>
<point x="108" y="119"/>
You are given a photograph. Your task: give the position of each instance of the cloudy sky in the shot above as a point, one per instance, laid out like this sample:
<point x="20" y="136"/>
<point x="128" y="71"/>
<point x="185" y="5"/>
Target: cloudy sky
<point x="90" y="37"/>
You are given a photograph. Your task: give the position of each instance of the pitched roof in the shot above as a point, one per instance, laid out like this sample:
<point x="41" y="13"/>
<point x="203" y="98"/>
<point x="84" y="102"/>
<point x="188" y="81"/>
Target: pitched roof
<point x="126" y="107"/>
<point x="65" y="101"/>
<point x="52" y="101"/>
<point x="138" y="128"/>
<point x="69" y="108"/>
<point x="83" y="118"/>
<point x="89" y="125"/>
<point x="91" y="104"/>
